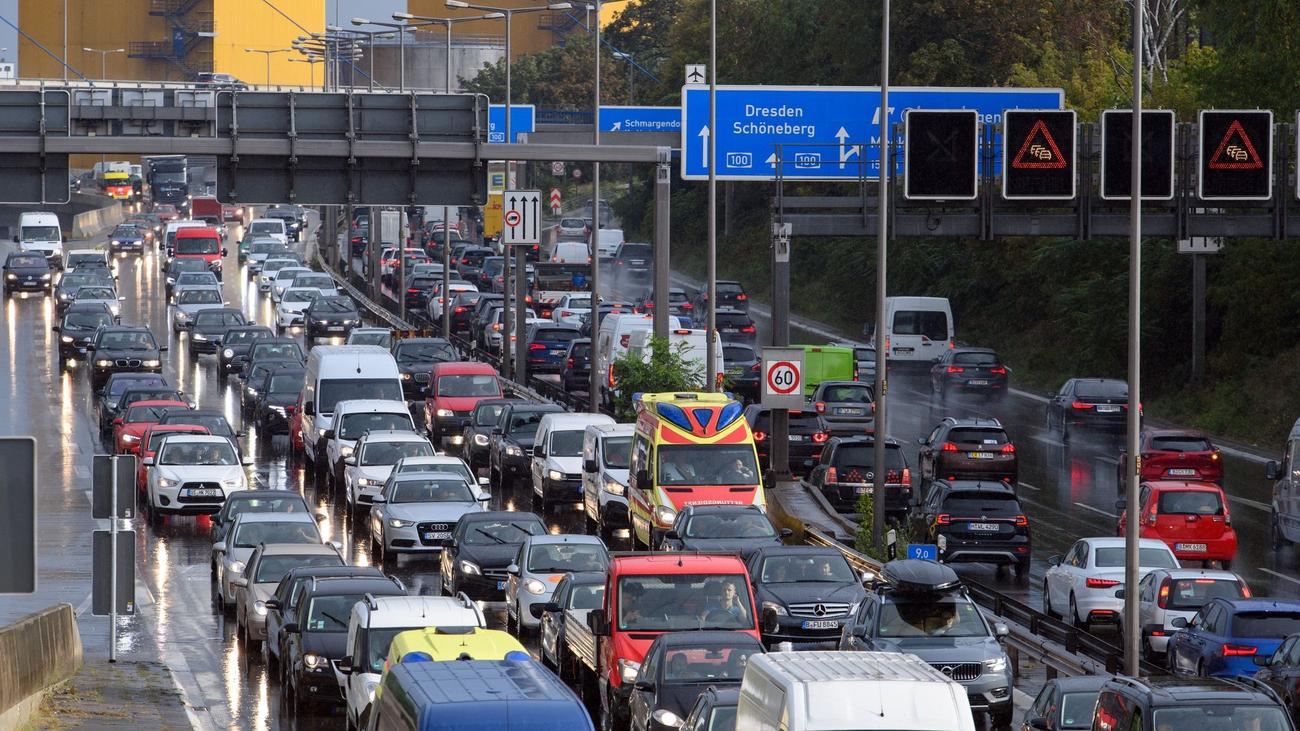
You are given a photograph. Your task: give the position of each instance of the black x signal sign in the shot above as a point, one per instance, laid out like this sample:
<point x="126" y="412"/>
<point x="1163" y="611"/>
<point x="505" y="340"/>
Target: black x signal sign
<point x="1038" y="154"/>
<point x="1157" y="154"/>
<point x="1236" y="160"/>
<point x="940" y="154"/>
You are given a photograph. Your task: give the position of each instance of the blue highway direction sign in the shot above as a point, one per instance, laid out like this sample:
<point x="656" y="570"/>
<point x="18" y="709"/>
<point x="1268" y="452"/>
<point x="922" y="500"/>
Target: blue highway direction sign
<point x="825" y="132"/>
<point x="523" y="118"/>
<point x="641" y="119"/>
<point x="924" y="551"/>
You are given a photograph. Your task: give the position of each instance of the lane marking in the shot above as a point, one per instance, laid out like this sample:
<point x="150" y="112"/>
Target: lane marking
<point x="1251" y="503"/>
<point x="1028" y="486"/>
<point x="1099" y="511"/>
<point x="1281" y="576"/>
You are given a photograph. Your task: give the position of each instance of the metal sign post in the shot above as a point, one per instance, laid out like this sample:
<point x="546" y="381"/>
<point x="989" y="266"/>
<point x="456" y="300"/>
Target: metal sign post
<point x="113" y="570"/>
<point x="18" y="516"/>
<point x="782" y="391"/>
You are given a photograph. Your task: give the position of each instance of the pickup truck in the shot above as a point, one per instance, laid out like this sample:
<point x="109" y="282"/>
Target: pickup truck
<point x="553" y="280"/>
<point x="654" y="593"/>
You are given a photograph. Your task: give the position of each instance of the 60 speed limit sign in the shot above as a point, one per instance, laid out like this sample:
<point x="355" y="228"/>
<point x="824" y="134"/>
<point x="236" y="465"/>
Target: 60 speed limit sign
<point x="783" y="378"/>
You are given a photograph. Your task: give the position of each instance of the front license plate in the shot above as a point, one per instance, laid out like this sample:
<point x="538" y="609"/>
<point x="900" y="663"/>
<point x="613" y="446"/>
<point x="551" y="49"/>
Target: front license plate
<point x="436" y="535"/>
<point x="977" y="382"/>
<point x="202" y="492"/>
<point x="848" y="412"/>
<point x="820" y="624"/>
<point x="335" y="328"/>
<point x="1108" y="408"/>
<point x="1190" y="547"/>
<point x="1181" y="472"/>
<point x="501" y="586"/>
<point x="980" y="455"/>
<point x="984" y="527"/>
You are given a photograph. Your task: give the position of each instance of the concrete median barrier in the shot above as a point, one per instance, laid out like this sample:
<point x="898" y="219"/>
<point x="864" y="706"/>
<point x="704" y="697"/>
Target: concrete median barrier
<point x="36" y="653"/>
<point x="96" y="221"/>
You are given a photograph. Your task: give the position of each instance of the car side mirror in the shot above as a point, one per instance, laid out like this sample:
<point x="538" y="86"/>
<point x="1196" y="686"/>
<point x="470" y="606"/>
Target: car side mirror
<point x="485" y="480"/>
<point x="350" y="461"/>
<point x="786" y="533"/>
<point x="1054" y="560"/>
<point x="645" y="685"/>
<point x="162" y="348"/>
<point x="513" y="569"/>
<point x="219" y="547"/>
<point x="1264" y="660"/>
<point x="1179" y="622"/>
<point x="309" y="409"/>
<point x="338" y="546"/>
<point x="643" y="479"/>
<point x="224" y="252"/>
<point x="55" y="328"/>
<point x="538" y="610"/>
<point x="922" y="441"/>
<point x="1001" y="631"/>
<point x="241" y="581"/>
<point x="672" y="535"/>
<point x="290" y="628"/>
<point x="117" y="421"/>
<point x="485" y="497"/>
<point x="147" y="461"/>
<point x="329" y="434"/>
<point x="539" y="450"/>
<point x="246" y="462"/>
<point x="598" y="622"/>
<point x="379" y="500"/>
<point x="343" y="665"/>
<point x="1272" y="471"/>
<point x="1040" y="723"/>
<point x="496" y="431"/>
<point x="272" y="603"/>
<point x="589" y="465"/>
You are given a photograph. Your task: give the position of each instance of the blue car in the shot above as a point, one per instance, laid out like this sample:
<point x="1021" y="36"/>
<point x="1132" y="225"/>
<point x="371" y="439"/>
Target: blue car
<point x="1225" y="636"/>
<point x="126" y="237"/>
<point x="548" y="347"/>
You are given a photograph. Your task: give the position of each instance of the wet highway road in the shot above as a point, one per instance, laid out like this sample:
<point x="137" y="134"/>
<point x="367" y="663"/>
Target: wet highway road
<point x="1068" y="493"/>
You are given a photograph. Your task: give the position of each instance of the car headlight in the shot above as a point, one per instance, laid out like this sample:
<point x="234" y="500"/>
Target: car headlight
<point x="277" y="409"/>
<point x="11" y="276"/>
<point x="554" y="475"/>
<point x="130" y="438"/>
<point x="320" y="432"/>
<point x="115" y="242"/>
<point x="154" y="363"/>
<point x="65" y="295"/>
<point x="165" y="482"/>
<point x="260" y="608"/>
<point x="104" y="363"/>
<point x="345" y="450"/>
<point x="348" y="322"/>
<point x="996" y="665"/>
<point x="444" y="413"/>
<point x="115" y="309"/>
<point x="367" y="482"/>
<point x="228" y="353"/>
<point x="469" y="567"/>
<point x="481" y="440"/>
<point x="628" y="670"/>
<point x="252" y="391"/>
<point x="667" y="718"/>
<point x="65" y="339"/>
<point x="614" y="487"/>
<point x="513" y="451"/>
<point x="313" y="661"/>
<point x="776" y="607"/>
<point x="406" y="376"/>
<point x="399" y="523"/>
<point x="236" y="567"/>
<point x="533" y="586"/>
<point x="664" y="514"/>
<point x="182" y="315"/>
<point x="200" y="338"/>
<point x="45" y="277"/>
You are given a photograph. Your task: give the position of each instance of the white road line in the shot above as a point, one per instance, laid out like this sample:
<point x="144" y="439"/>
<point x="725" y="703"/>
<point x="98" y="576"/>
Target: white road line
<point x="1291" y="579"/>
<point x="1252" y="503"/>
<point x="1028" y="395"/>
<point x="1028" y="486"/>
<point x="1099" y="511"/>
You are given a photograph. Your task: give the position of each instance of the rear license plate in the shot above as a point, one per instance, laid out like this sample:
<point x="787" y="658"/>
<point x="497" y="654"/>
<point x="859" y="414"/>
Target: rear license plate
<point x="733" y="372"/>
<point x="980" y="455"/>
<point x="501" y="586"/>
<point x="848" y="412"/>
<point x="904" y="350"/>
<point x="1108" y="408"/>
<point x="977" y="382"/>
<point x="436" y="535"/>
<point x="862" y="489"/>
<point x="638" y="262"/>
<point x="820" y="624"/>
<point x="1190" y="547"/>
<point x="557" y="352"/>
<point x="796" y="437"/>
<point x="729" y="329"/>
<point x="202" y="492"/>
<point x="984" y="527"/>
<point x="1181" y="472"/>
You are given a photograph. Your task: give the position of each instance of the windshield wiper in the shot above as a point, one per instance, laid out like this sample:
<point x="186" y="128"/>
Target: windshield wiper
<point x="336" y="620"/>
<point x="522" y="529"/>
<point x="489" y="535"/>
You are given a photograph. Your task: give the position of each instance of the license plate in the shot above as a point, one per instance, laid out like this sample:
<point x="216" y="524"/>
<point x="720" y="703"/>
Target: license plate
<point x="501" y="586"/>
<point x="557" y="352"/>
<point x="796" y="437"/>
<point x="335" y="328"/>
<point x="1108" y="408"/>
<point x="862" y="489"/>
<point x="982" y="526"/>
<point x="436" y="535"/>
<point x="977" y="382"/>
<point x="1181" y="472"/>
<point x="638" y="262"/>
<point x="733" y="371"/>
<point x="202" y="492"/>
<point x="820" y="624"/>
<point x="848" y="412"/>
<point x="904" y="350"/>
<point x="729" y="329"/>
<point x="1190" y="547"/>
<point x="980" y="455"/>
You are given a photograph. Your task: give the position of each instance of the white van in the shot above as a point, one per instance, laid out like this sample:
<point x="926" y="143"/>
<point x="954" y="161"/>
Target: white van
<point x="607" y="241"/>
<point x="571" y="252"/>
<point x="849" y="691"/>
<point x="917" y="329"/>
<point x="696" y="349"/>
<point x="40" y="233"/>
<point x="557" y="456"/>
<point x="272" y="227"/>
<point x="340" y="373"/>
<point x="616" y="335"/>
<point x="606" y="453"/>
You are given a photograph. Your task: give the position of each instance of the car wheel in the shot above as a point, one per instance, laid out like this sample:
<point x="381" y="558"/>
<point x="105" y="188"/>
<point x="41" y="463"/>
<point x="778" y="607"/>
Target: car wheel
<point x="1065" y="431"/>
<point x="1279" y="540"/>
<point x="1075" y="621"/>
<point x="1047" y="601"/>
<point x="1022" y="568"/>
<point x="512" y="621"/>
<point x="1200" y="668"/>
<point x="269" y="660"/>
<point x="1148" y="653"/>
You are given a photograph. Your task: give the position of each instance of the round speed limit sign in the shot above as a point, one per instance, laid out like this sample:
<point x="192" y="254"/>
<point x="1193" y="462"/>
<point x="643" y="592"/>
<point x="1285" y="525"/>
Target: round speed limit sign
<point x="783" y="377"/>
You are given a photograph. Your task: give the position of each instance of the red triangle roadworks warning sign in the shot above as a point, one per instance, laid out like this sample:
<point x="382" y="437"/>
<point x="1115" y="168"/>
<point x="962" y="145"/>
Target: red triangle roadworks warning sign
<point x="1039" y="150"/>
<point x="1236" y="151"/>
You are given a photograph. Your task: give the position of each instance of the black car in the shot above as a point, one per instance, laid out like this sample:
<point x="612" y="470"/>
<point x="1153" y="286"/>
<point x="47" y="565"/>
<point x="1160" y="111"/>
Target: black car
<point x="318" y="635"/>
<point x="981" y="522"/>
<point x="470" y="261"/>
<point x="123" y="349"/>
<point x="807" y="437"/>
<point x="575" y="372"/>
<point x="510" y="450"/>
<point x="1099" y="404"/>
<point x="846" y="471"/>
<point x="632" y="262"/>
<point x="1281" y="672"/>
<point x="255" y="382"/>
<point x="208" y="329"/>
<point x="278" y="398"/>
<point x="477" y="435"/>
<point x="66" y="290"/>
<point x="282" y="607"/>
<point x="332" y="316"/>
<point x="26" y="272"/>
<point x="714" y="710"/>
<point x="77" y="329"/>
<point x="578" y="590"/>
<point x="488" y="271"/>
<point x="730" y="294"/>
<point x="806" y="592"/>
<point x="742" y="366"/>
<point x="274" y="348"/>
<point x="678" y="667"/>
<point x="735" y="326"/>
<point x="1064" y="703"/>
<point x="119" y="383"/>
<point x="211" y="419"/>
<point x="723" y="528"/>
<point x="415" y="358"/>
<point x="969" y="370"/>
<point x="482" y="546"/>
<point x="418" y="290"/>
<point x="111" y="410"/>
<point x="1160" y="703"/>
<point x="236" y="343"/>
<point x="463" y="305"/>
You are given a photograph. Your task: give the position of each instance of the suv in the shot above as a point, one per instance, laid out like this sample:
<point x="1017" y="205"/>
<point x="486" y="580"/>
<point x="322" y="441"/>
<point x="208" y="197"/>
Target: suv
<point x="730" y="294"/>
<point x="918" y="608"/>
<point x="847" y="470"/>
<point x="847" y="407"/>
<point x="735" y="326"/>
<point x="807" y="436"/>
<point x="969" y="370"/>
<point x="632" y="262"/>
<point x="974" y="521"/>
<point x="1157" y="703"/>
<point x="1099" y="404"/>
<point x="967" y="449"/>
<point x="121" y="349"/>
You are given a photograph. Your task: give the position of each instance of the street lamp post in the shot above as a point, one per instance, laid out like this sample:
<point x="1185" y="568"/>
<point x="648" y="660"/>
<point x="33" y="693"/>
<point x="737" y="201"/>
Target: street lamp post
<point x="631" y="74"/>
<point x="268" y="52"/>
<point x="103" y="58"/>
<point x="401" y="44"/>
<point x="422" y="20"/>
<point x="311" y="62"/>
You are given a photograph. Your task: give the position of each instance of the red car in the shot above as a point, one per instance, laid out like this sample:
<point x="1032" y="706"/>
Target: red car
<point x="149" y="442"/>
<point x="454" y="390"/>
<point x="139" y="416"/>
<point x="200" y="242"/>
<point x="1191" y="517"/>
<point x="166" y="212"/>
<point x="1176" y="454"/>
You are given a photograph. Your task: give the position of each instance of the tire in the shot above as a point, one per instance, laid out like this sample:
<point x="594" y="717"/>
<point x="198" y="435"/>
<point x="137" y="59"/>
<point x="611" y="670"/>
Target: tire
<point x="1075" y="621"/>
<point x="1065" y="432"/>
<point x="1047" y="601"/>
<point x="1200" y="668"/>
<point x="1022" y="569"/>
<point x="1148" y="654"/>
<point x="1279" y="540"/>
<point x="269" y="659"/>
<point x="512" y="622"/>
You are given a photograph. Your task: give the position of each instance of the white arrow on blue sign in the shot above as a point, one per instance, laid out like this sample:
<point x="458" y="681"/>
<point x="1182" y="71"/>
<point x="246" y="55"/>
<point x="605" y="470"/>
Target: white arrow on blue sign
<point x="523" y="120"/>
<point x="825" y="132"/>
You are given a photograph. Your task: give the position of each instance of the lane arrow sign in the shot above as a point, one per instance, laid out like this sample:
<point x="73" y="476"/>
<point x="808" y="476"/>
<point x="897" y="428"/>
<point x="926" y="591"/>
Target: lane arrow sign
<point x="704" y="146"/>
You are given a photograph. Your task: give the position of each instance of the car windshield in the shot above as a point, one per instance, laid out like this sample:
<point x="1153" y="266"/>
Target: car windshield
<point x="555" y="558"/>
<point x="1275" y="624"/>
<point x="118" y="386"/>
<point x="617" y="452"/>
<point x="275" y="351"/>
<point x="217" y="318"/>
<point x="249" y="535"/>
<point x="1192" y="594"/>
<point x="735" y="354"/>
<point x="425" y="352"/>
<point x="273" y="568"/>
<point x="95" y="293"/>
<point x="432" y="490"/>
<point x="387" y="453"/>
<point x="566" y="444"/>
<point x="156" y="437"/>
<point x="523" y="424"/>
<point x="672" y="602"/>
<point x="707" y="664"/>
<point x="28" y="261"/>
<point x="555" y="335"/>
<point x="266" y="247"/>
<point x="335" y="390"/>
<point x="487" y="414"/>
<point x="86" y="320"/>
<point x="330" y="613"/>
<point x="78" y="279"/>
<point x="354" y="426"/>
<point x="739" y="525"/>
<point x="804" y="568"/>
<point x="300" y="295"/>
<point x="468" y="385"/>
<point x="197" y="246"/>
<point x="1076" y="710"/>
<point x="199" y="297"/>
<point x="273" y="266"/>
<point x="187" y="265"/>
<point x="124" y="232"/>
<point x="237" y="337"/>
<point x="1190" y="502"/>
<point x="133" y="340"/>
<point x="486" y="532"/>
<point x="287" y="383"/>
<point x="980" y="502"/>
<point x="144" y="414"/>
<point x="591" y="596"/>
<point x="942" y="616"/>
<point x="454" y="468"/>
<point x="319" y="281"/>
<point x="40" y="233"/>
<point x="209" y="454"/>
<point x="153" y="394"/>
<point x="333" y="304"/>
<point x="189" y="279"/>
<point x="931" y="324"/>
<point x="706" y="464"/>
<point x="266" y="227"/>
<point x="730" y="288"/>
<point x="264" y="504"/>
<point x="1181" y="444"/>
<point x="1220" y="717"/>
<point x="382" y="339"/>
<point x="975" y="359"/>
<point x="1148" y="558"/>
<point x="286" y="275"/>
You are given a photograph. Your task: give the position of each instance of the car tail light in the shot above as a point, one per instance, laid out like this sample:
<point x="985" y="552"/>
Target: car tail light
<point x="1022" y="520"/>
<point x="1162" y="598"/>
<point x="464" y="261"/>
<point x="749" y="329"/>
<point x="948" y="447"/>
<point x="687" y="306"/>
<point x="760" y="436"/>
<point x="496" y="326"/>
<point x="821" y="407"/>
<point x="756" y="367"/>
<point x="1215" y="456"/>
<point x="610" y="372"/>
<point x="412" y="290"/>
<point x="461" y="310"/>
<point x="819" y="437"/>
<point x="1081" y="406"/>
<point x="569" y="362"/>
<point x="956" y="369"/>
<point x="832" y="476"/>
<point x="998" y="370"/>
<point x="1245" y="590"/>
<point x="1096" y="583"/>
<point x="536" y="346"/>
<point x="742" y="297"/>
<point x="1008" y="448"/>
<point x="1151" y="517"/>
<point x="952" y="344"/>
<point x="943" y="519"/>
<point x="1239" y="650"/>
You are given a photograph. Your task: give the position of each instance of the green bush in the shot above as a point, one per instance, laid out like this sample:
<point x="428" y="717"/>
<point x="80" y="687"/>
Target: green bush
<point x="863" y="541"/>
<point x="667" y="369"/>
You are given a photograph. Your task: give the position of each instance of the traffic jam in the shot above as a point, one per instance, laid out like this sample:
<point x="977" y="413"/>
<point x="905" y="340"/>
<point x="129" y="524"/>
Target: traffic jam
<point x="388" y="534"/>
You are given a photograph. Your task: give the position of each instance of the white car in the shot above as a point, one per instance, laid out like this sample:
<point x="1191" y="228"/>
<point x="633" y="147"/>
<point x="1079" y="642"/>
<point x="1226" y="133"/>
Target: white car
<point x="543" y="561"/>
<point x="192" y="475"/>
<point x="271" y="268"/>
<point x="425" y="269"/>
<point x="416" y="512"/>
<point x="250" y="530"/>
<point x="441" y="464"/>
<point x="262" y="249"/>
<point x="1167" y="594"/>
<point x="192" y="299"/>
<point x="1081" y="585"/>
<point x="284" y="278"/>
<point x="319" y="280"/>
<point x="265" y="567"/>
<point x="372" y="460"/>
<point x="570" y="308"/>
<point x="288" y="311"/>
<point x="495" y="325"/>
<point x="352" y="419"/>
<point x="270" y="227"/>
